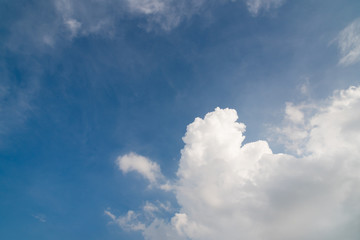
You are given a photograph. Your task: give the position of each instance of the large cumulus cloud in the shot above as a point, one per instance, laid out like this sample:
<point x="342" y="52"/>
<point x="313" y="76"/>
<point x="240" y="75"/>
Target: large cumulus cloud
<point x="228" y="189"/>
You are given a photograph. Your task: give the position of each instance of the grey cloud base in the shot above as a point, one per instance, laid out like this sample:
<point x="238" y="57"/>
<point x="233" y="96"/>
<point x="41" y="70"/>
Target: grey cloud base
<point x="227" y="190"/>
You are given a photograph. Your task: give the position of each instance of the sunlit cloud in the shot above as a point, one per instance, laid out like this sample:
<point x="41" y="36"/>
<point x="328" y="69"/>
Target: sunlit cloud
<point x="229" y="189"/>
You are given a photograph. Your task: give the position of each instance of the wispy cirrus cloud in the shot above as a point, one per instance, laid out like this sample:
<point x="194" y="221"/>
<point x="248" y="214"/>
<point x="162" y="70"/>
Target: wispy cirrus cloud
<point x="65" y="20"/>
<point x="101" y="17"/>
<point x="349" y="43"/>
<point x="82" y="18"/>
<point x="228" y="189"/>
<point x="40" y="217"/>
<point x="166" y="15"/>
<point x="255" y="6"/>
<point x="129" y="222"/>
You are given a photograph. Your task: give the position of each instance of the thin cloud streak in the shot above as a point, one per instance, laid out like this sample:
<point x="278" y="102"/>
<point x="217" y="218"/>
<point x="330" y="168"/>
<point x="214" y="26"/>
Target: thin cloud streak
<point x="349" y="43"/>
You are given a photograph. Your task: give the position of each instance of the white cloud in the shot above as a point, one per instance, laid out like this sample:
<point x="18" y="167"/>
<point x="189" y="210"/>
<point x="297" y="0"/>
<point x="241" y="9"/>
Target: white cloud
<point x="336" y="129"/>
<point x="230" y="190"/>
<point x="129" y="222"/>
<point x="150" y="170"/>
<point x="165" y="14"/>
<point x="74" y="26"/>
<point x="147" y="6"/>
<point x="82" y="18"/>
<point x="144" y="166"/>
<point x="255" y="6"/>
<point x="40" y="217"/>
<point x="110" y="215"/>
<point x="150" y="208"/>
<point x="294" y="131"/>
<point x="294" y="114"/>
<point x="349" y="43"/>
<point x="168" y="14"/>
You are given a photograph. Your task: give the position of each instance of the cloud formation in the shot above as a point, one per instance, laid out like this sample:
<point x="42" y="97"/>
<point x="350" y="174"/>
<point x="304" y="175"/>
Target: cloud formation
<point x="134" y="162"/>
<point x="230" y="190"/>
<point x="166" y="14"/>
<point x="47" y="24"/>
<point x="255" y="6"/>
<point x="150" y="170"/>
<point x="40" y="217"/>
<point x="128" y="222"/>
<point x="349" y="43"/>
<point x="82" y="18"/>
<point x="100" y="17"/>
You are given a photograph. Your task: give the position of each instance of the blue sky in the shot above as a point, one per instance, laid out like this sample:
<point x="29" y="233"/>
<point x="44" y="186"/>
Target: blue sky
<point x="85" y="85"/>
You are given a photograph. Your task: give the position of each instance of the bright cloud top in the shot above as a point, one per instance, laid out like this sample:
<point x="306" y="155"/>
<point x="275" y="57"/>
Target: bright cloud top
<point x="349" y="43"/>
<point x="230" y="190"/>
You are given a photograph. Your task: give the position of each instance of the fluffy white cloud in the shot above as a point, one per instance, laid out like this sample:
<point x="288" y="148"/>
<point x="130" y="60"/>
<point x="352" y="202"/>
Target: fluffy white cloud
<point x="144" y="166"/>
<point x="230" y="190"/>
<point x="294" y="131"/>
<point x="294" y="114"/>
<point x="150" y="170"/>
<point x="349" y="43"/>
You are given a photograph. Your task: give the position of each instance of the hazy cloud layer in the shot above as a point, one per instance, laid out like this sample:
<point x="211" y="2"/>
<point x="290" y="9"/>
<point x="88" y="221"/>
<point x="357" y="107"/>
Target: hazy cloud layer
<point x="349" y="43"/>
<point x="88" y="17"/>
<point x="255" y="6"/>
<point x="48" y="23"/>
<point x="166" y="14"/>
<point x="230" y="190"/>
<point x="16" y="102"/>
